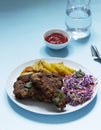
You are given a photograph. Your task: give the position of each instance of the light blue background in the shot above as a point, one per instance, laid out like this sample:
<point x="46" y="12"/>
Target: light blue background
<point x="22" y="25"/>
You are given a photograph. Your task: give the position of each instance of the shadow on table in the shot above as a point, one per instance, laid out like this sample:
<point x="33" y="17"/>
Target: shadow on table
<point x="83" y="41"/>
<point x="16" y="5"/>
<point x="12" y="5"/>
<point x="56" y="53"/>
<point x="65" y="52"/>
<point x="53" y="119"/>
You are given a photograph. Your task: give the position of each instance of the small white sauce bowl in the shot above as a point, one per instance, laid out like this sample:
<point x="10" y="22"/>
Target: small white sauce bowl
<point x="56" y="46"/>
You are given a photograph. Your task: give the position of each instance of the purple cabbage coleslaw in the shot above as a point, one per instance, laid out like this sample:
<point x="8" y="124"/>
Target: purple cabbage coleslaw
<point x="78" y="87"/>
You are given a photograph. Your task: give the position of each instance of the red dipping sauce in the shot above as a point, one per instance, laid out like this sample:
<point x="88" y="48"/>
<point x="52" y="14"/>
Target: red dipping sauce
<point x="56" y="38"/>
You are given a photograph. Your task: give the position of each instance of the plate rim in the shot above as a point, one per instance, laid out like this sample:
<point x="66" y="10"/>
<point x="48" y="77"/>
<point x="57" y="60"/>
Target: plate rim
<point x="48" y="59"/>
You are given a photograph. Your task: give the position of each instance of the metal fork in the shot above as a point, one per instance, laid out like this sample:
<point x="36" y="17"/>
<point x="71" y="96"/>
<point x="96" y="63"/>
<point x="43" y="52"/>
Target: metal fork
<point x="95" y="53"/>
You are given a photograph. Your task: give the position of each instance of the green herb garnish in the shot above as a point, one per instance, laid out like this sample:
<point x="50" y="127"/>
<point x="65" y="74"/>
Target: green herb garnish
<point x="57" y="100"/>
<point x="79" y="73"/>
<point x="26" y="89"/>
<point x="27" y="86"/>
<point x="58" y="97"/>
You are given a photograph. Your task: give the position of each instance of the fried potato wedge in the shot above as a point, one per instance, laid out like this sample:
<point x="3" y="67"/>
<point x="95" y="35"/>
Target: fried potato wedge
<point x="62" y="69"/>
<point x="27" y="70"/>
<point x="44" y="66"/>
<point x="38" y="66"/>
<point x="48" y="66"/>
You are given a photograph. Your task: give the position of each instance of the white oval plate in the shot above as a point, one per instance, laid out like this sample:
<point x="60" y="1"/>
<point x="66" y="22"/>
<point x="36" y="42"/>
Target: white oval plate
<point x="40" y="107"/>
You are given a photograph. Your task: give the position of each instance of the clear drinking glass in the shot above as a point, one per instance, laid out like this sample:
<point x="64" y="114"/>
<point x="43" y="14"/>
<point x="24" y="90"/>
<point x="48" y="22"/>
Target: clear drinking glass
<point x="78" y="18"/>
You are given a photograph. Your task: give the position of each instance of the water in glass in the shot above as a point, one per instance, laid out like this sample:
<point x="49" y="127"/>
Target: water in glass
<point x="78" y="20"/>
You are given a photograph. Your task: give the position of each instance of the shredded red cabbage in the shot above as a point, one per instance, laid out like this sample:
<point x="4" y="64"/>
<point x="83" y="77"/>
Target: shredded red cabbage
<point x="78" y="87"/>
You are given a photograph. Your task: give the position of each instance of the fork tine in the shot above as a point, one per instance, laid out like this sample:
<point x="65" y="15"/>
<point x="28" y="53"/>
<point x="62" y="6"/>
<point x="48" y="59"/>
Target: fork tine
<point x="95" y="52"/>
<point x="92" y="50"/>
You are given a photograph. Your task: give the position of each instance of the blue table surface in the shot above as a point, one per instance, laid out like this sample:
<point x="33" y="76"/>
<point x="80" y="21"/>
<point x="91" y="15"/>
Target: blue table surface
<point x="22" y="25"/>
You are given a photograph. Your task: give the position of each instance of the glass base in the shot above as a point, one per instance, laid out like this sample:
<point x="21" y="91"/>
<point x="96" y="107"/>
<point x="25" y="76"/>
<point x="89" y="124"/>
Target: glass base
<point x="79" y="34"/>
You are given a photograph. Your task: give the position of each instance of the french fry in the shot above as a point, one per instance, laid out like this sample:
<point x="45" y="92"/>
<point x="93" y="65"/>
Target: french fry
<point x="44" y="66"/>
<point x="38" y="66"/>
<point x="62" y="69"/>
<point x="70" y="69"/>
<point x="28" y="69"/>
<point x="48" y="66"/>
<point x="46" y="70"/>
<point x="26" y="73"/>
